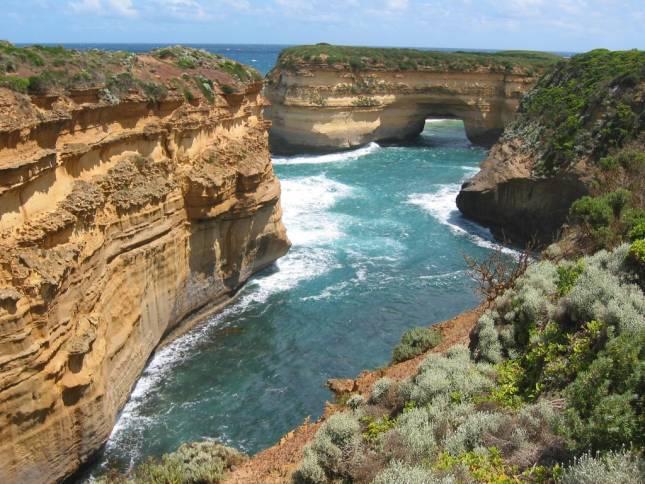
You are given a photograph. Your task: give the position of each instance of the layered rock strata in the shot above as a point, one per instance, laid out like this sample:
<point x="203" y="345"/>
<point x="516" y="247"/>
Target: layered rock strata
<point x="327" y="108"/>
<point x="118" y="220"/>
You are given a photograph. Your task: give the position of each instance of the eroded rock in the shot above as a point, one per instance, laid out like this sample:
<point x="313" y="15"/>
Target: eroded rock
<point x="118" y="220"/>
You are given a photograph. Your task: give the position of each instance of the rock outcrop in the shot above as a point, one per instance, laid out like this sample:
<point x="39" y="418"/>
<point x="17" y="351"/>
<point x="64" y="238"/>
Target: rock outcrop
<point x="326" y="104"/>
<point x="581" y="112"/>
<point x="121" y="215"/>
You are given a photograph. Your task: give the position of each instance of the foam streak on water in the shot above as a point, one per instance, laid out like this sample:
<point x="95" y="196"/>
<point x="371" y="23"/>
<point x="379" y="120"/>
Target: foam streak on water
<point x="330" y="158"/>
<point x="442" y="205"/>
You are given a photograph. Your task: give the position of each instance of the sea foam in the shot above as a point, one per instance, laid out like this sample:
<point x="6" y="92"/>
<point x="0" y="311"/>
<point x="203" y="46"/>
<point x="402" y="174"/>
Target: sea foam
<point x="442" y="205"/>
<point x="329" y="158"/>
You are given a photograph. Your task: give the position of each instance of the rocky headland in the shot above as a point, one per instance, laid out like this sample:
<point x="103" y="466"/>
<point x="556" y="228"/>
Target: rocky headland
<point x="584" y="113"/>
<point x="135" y="192"/>
<point x="327" y="98"/>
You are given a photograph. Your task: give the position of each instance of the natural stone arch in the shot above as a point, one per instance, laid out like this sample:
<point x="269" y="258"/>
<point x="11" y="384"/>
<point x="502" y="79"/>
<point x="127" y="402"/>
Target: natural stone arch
<point x="325" y="109"/>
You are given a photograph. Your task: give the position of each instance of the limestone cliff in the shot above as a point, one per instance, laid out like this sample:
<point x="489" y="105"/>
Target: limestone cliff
<point x="129" y="199"/>
<point x="323" y="101"/>
<point x="583" y="110"/>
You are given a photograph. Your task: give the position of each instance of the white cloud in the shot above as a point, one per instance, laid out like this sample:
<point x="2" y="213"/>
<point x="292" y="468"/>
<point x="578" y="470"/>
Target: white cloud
<point x="396" y="4"/>
<point x="123" y="7"/>
<point x="86" y="6"/>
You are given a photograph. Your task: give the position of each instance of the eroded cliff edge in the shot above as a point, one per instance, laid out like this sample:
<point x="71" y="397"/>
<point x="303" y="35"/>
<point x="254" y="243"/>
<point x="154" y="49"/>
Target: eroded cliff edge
<point x="581" y="114"/>
<point x="134" y="190"/>
<point x="327" y="98"/>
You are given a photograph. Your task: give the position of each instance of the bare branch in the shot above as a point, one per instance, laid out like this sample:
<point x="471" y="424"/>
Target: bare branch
<point x="497" y="273"/>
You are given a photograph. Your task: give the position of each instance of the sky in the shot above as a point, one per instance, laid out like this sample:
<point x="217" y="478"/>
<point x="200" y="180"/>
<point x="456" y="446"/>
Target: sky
<point x="555" y="25"/>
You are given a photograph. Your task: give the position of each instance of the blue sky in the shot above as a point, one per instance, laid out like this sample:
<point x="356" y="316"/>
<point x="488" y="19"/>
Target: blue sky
<point x="565" y="25"/>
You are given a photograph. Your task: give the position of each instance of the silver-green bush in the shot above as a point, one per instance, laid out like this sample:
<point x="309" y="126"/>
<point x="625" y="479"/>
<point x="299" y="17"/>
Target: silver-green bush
<point x="622" y="467"/>
<point x="400" y="473"/>
<point x="380" y="389"/>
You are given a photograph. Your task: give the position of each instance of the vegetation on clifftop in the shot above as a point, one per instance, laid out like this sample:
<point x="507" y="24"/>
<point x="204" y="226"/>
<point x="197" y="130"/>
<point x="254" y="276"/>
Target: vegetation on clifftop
<point x="584" y="109"/>
<point x="196" y="463"/>
<point x="363" y="58"/>
<point x="44" y="70"/>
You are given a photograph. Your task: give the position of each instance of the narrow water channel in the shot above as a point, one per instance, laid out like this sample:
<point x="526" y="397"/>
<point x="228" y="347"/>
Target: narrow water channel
<point x="377" y="248"/>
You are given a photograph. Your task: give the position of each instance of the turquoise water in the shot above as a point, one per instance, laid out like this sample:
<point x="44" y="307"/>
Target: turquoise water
<point x="377" y="248"/>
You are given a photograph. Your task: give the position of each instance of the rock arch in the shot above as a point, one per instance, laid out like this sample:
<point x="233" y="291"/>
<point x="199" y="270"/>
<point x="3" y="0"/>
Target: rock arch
<point x="324" y="109"/>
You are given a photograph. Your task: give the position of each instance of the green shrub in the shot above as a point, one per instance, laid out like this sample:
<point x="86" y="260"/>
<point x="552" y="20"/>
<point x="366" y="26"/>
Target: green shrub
<point x="415" y="342"/>
<point x="227" y="89"/>
<point x="584" y="107"/>
<point x="451" y="374"/>
<point x="594" y="211"/>
<point x="121" y="83"/>
<point x="331" y="446"/>
<point x="488" y="346"/>
<point x="155" y="92"/>
<point x="600" y="295"/>
<point x="605" y="402"/>
<point x="485" y="466"/>
<point x="359" y="58"/>
<point x="187" y="62"/>
<point x="568" y="274"/>
<point x="376" y="427"/>
<point x="356" y="63"/>
<point x="510" y="374"/>
<point x="637" y="252"/>
<point x="365" y="102"/>
<point x="618" y="200"/>
<point x="417" y="430"/>
<point x="188" y="95"/>
<point x="408" y="65"/>
<point x="637" y="231"/>
<point x="206" y="88"/>
<point x="20" y="84"/>
<point x="341" y="428"/>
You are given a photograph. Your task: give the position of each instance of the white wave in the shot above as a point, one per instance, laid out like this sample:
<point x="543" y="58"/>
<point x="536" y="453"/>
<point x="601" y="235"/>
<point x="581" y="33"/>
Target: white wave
<point x="306" y="202"/>
<point x="445" y="275"/>
<point x="329" y="158"/>
<point x="473" y="169"/>
<point x="294" y="268"/>
<point x="442" y="205"/>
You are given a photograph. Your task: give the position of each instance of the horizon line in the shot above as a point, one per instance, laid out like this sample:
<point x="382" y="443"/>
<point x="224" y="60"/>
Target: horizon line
<point x="482" y="49"/>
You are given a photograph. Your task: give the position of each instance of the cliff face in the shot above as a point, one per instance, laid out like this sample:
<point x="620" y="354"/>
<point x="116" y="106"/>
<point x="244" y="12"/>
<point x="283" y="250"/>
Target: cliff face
<point x="326" y="102"/>
<point x="118" y="219"/>
<point x="518" y="207"/>
<point x="583" y="110"/>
